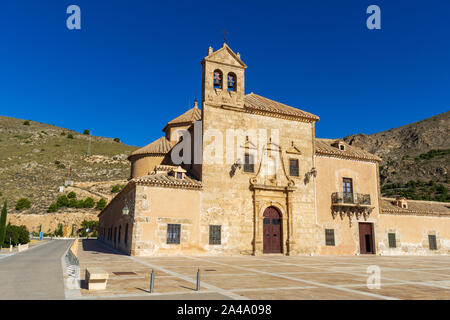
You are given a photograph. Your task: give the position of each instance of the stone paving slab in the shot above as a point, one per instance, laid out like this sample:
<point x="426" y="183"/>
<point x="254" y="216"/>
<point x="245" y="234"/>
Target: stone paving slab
<point x="266" y="277"/>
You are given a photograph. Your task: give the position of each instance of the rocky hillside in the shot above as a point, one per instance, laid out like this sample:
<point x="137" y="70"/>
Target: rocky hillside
<point x="35" y="159"/>
<point x="416" y="158"/>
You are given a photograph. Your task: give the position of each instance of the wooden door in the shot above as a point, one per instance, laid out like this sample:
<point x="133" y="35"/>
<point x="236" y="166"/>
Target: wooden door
<point x="272" y="242"/>
<point x="366" y="238"/>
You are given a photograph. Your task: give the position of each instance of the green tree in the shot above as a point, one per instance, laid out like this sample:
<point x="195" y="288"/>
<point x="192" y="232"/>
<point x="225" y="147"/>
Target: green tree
<point x="17" y="234"/>
<point x="3" y="223"/>
<point x="73" y="203"/>
<point x="86" y="132"/>
<point x="116" y="188"/>
<point x="52" y="208"/>
<point x="62" y="201"/>
<point x="26" y="123"/>
<point x="101" y="204"/>
<point x="88" y="203"/>
<point x="72" y="195"/>
<point x="59" y="232"/>
<point x="69" y="136"/>
<point x="91" y="225"/>
<point x="23" y="203"/>
<point x="116" y="139"/>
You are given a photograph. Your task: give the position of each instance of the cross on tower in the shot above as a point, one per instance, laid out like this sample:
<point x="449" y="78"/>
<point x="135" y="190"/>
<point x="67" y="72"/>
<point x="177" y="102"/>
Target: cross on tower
<point x="225" y="33"/>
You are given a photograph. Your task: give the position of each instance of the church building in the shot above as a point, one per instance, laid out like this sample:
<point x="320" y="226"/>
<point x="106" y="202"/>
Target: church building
<point x="245" y="175"/>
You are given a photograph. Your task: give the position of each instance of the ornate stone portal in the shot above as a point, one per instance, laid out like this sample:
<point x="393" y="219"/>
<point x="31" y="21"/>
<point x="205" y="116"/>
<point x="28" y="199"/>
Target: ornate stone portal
<point x="272" y="187"/>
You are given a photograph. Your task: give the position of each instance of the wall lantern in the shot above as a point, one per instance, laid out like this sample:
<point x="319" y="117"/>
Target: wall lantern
<point x="125" y="210"/>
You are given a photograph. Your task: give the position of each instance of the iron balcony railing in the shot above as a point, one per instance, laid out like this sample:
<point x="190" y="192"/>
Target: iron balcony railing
<point x="350" y="198"/>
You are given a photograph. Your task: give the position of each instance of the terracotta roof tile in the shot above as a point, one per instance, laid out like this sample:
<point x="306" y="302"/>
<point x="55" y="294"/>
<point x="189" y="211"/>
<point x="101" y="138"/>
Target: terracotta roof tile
<point x="325" y="147"/>
<point x="160" y="146"/>
<point x="258" y="103"/>
<point x="416" y="207"/>
<point x="191" y="115"/>
<point x="163" y="180"/>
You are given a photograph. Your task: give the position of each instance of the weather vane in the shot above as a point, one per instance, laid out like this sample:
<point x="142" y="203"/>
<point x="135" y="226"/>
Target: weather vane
<point x="225" y="33"/>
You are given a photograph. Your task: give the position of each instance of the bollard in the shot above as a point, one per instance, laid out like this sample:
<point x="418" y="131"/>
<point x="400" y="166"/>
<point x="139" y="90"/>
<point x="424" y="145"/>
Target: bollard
<point x="152" y="281"/>
<point x="198" y="280"/>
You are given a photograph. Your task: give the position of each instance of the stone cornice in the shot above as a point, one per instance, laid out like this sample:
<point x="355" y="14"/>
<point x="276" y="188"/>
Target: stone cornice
<point x="261" y="113"/>
<point x="414" y="213"/>
<point x="343" y="157"/>
<point x="170" y="184"/>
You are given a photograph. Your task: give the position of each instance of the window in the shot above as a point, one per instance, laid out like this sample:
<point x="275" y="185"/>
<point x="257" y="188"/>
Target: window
<point x="126" y="233"/>
<point x="341" y="146"/>
<point x="115" y="234"/>
<point x="249" y="165"/>
<point x="173" y="233"/>
<point x="392" y="242"/>
<point x="217" y="79"/>
<point x="347" y="185"/>
<point x="120" y="231"/>
<point x="215" y="234"/>
<point x="179" y="175"/>
<point x="329" y="237"/>
<point x="432" y="241"/>
<point x="347" y="189"/>
<point x="293" y="167"/>
<point x="231" y="82"/>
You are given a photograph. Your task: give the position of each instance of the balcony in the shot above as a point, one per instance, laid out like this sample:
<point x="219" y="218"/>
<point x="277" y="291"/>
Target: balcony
<point x="351" y="205"/>
<point x="351" y="199"/>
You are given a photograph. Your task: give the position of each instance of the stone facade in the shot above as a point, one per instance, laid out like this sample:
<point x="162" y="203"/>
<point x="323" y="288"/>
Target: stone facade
<point x="258" y="154"/>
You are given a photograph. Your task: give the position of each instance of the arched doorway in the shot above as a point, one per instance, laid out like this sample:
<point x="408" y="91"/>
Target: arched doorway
<point x="272" y="242"/>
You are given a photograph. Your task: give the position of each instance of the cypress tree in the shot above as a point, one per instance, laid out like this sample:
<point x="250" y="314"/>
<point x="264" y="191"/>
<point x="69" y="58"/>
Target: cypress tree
<point x="3" y="224"/>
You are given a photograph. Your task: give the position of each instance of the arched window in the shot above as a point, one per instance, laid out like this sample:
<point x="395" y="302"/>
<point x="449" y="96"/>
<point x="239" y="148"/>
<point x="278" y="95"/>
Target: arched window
<point x="231" y="82"/>
<point x="217" y="79"/>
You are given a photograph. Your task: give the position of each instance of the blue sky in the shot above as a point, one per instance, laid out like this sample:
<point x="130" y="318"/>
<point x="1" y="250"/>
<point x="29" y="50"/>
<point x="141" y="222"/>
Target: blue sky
<point x="143" y="57"/>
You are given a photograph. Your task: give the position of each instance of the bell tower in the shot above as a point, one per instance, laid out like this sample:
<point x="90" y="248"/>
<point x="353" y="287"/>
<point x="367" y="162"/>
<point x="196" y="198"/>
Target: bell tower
<point x="223" y="82"/>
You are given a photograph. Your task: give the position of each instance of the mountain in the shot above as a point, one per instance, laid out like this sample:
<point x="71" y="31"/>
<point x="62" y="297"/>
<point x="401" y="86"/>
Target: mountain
<point x="416" y="158"/>
<point x="35" y="159"/>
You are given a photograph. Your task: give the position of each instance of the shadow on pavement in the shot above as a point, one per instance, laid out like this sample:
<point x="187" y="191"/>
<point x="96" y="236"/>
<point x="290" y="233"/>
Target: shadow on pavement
<point x="96" y="246"/>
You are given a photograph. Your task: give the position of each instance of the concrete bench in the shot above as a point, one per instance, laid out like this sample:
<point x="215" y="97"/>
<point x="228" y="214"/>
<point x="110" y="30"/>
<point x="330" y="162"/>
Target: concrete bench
<point x="96" y="279"/>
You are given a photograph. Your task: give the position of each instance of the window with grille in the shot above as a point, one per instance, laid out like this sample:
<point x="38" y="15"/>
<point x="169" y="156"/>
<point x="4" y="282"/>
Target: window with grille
<point x="215" y="234"/>
<point x="173" y="233"/>
<point x="432" y="241"/>
<point x="392" y="243"/>
<point x="329" y="237"/>
<point x="293" y="167"/>
<point x="126" y="233"/>
<point x="249" y="164"/>
<point x="120" y="232"/>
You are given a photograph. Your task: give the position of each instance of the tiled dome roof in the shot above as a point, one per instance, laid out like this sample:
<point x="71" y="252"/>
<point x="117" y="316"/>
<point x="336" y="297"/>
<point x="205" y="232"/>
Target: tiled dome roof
<point x="160" y="146"/>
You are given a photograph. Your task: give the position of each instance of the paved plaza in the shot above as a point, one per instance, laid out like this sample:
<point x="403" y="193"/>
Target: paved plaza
<point x="265" y="277"/>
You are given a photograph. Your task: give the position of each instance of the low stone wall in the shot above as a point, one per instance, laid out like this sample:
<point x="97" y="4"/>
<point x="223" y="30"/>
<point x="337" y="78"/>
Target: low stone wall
<point x="50" y="221"/>
<point x="22" y="247"/>
<point x="74" y="248"/>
